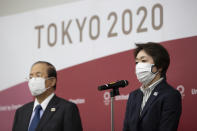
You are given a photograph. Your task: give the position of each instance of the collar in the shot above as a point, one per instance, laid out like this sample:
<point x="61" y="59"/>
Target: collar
<point x="152" y="86"/>
<point x="44" y="103"/>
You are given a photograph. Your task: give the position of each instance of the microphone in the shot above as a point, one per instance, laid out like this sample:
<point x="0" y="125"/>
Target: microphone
<point x="121" y="83"/>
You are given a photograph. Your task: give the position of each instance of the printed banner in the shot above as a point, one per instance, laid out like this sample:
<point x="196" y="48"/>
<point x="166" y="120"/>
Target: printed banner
<point x="91" y="43"/>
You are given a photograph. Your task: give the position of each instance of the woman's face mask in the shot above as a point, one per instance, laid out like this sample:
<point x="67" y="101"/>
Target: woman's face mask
<point x="144" y="73"/>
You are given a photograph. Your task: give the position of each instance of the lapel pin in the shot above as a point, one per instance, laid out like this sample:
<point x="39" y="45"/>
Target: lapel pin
<point x="53" y="109"/>
<point x="155" y="93"/>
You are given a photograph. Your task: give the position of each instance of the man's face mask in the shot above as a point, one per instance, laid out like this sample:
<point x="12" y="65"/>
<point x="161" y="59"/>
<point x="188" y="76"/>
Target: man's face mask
<point x="37" y="86"/>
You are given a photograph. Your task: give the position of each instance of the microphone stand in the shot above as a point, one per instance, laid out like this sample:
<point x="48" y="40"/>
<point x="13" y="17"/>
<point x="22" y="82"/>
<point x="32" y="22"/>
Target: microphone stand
<point x="114" y="92"/>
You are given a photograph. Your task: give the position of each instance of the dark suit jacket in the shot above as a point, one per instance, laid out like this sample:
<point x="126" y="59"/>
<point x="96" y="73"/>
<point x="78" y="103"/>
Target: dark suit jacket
<point x="161" y="112"/>
<point x="65" y="117"/>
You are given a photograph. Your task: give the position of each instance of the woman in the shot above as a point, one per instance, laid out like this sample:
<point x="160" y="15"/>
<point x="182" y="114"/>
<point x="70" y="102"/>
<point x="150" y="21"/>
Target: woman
<point x="155" y="106"/>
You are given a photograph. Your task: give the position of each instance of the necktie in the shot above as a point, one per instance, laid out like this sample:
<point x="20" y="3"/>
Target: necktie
<point x="36" y="118"/>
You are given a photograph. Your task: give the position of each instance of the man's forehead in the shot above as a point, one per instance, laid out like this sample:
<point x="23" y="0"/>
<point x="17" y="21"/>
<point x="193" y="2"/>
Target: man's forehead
<point x="39" y="67"/>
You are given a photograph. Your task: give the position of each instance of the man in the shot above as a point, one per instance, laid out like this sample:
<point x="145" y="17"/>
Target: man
<point x="155" y="106"/>
<point x="48" y="112"/>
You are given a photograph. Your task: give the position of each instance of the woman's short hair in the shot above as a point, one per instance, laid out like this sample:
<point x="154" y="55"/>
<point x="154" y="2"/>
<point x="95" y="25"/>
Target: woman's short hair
<point x="159" y="54"/>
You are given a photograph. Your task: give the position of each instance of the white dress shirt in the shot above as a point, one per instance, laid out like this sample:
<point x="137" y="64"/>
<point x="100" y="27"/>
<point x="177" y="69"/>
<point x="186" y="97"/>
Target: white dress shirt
<point x="43" y="105"/>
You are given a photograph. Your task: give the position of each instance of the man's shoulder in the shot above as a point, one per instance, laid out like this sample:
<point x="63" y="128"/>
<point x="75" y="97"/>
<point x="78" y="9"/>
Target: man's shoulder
<point x="26" y="106"/>
<point x="64" y="102"/>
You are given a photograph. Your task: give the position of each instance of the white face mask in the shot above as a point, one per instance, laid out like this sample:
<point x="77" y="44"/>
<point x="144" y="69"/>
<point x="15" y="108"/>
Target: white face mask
<point x="144" y="73"/>
<point x="37" y="86"/>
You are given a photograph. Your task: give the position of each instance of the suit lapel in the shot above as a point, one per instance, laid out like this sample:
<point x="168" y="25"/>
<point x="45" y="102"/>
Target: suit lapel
<point x="138" y="101"/>
<point x="27" y="115"/>
<point x="49" y="111"/>
<point x="154" y="95"/>
<point x="148" y="103"/>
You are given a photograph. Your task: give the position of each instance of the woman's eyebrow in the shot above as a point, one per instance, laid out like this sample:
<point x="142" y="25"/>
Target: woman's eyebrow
<point x="142" y="57"/>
